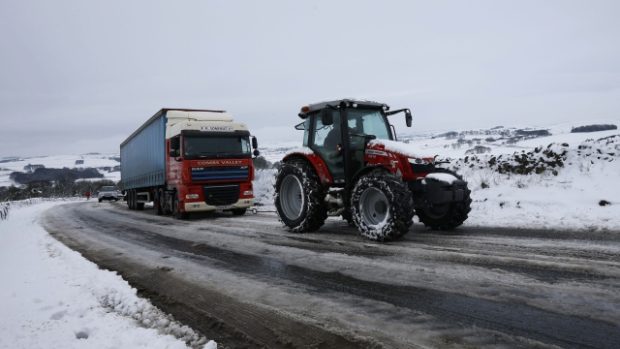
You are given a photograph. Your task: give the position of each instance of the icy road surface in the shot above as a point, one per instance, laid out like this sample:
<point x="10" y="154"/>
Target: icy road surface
<point x="247" y="282"/>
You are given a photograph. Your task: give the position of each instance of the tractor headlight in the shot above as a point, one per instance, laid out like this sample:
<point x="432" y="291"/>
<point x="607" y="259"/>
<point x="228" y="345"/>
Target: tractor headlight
<point x="419" y="161"/>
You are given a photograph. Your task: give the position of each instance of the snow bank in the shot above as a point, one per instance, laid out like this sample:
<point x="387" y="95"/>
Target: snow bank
<point x="263" y="189"/>
<point x="575" y="190"/>
<point x="54" y="298"/>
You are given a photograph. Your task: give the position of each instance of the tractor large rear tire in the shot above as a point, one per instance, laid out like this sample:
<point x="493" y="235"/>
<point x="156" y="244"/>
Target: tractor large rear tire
<point x="381" y="206"/>
<point x="300" y="197"/>
<point x="447" y="216"/>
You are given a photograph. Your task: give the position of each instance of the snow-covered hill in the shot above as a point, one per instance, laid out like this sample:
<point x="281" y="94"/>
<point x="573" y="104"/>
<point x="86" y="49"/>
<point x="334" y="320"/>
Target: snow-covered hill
<point x="106" y="164"/>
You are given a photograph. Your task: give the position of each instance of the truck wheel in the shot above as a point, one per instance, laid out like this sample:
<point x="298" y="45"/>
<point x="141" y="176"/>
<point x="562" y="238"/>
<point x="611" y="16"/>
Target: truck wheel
<point x="131" y="200"/>
<point x="176" y="209"/>
<point x="381" y="206"/>
<point x="446" y="216"/>
<point x="158" y="202"/>
<point x="239" y="211"/>
<point x="300" y="197"/>
<point x="100" y="200"/>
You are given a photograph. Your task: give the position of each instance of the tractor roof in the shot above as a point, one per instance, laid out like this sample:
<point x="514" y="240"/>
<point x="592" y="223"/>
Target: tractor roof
<point x="308" y="109"/>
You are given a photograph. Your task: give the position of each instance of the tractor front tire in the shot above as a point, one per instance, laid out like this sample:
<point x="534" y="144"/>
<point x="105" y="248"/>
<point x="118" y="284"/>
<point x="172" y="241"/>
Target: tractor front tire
<point x="446" y="216"/>
<point x="300" y="197"/>
<point x="381" y="206"/>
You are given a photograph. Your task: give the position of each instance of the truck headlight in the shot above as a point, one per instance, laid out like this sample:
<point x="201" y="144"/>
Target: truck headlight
<point x="192" y="196"/>
<point x="248" y="193"/>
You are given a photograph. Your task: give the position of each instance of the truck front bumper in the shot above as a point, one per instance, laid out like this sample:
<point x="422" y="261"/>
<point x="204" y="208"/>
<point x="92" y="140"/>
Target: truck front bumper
<point x="204" y="207"/>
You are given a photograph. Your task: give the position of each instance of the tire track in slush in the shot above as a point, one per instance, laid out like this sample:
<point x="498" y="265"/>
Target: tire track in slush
<point x="511" y="318"/>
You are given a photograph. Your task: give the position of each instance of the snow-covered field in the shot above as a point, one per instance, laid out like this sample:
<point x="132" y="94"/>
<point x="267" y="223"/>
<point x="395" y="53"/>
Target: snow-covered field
<point x="51" y="297"/>
<point x="104" y="163"/>
<point x="569" y="200"/>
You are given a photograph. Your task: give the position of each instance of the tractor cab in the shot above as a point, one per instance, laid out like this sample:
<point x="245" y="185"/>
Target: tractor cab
<point x="338" y="132"/>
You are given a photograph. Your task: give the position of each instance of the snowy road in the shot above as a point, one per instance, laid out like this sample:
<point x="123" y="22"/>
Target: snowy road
<point x="246" y="282"/>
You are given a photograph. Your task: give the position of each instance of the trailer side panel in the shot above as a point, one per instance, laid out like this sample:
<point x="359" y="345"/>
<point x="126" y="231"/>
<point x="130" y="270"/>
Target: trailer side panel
<point x="143" y="156"/>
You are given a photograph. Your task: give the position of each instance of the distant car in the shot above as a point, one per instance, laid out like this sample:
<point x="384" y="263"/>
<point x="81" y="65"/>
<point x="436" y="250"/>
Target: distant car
<point x="109" y="192"/>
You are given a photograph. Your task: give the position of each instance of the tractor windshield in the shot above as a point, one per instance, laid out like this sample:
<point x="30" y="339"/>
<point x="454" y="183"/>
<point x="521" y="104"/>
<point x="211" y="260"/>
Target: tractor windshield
<point x="368" y="122"/>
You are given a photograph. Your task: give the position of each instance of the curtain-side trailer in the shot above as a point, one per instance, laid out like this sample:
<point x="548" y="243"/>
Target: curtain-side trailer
<point x="189" y="160"/>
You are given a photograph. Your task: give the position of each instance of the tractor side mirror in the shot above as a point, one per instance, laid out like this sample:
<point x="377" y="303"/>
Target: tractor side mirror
<point x="408" y="117"/>
<point x="327" y="117"/>
<point x="254" y="142"/>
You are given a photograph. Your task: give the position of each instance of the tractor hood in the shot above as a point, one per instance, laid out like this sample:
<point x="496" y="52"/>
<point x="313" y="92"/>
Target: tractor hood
<point x="400" y="148"/>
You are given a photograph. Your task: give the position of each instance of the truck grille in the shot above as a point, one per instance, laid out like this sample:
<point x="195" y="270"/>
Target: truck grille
<point x="218" y="195"/>
<point x="228" y="173"/>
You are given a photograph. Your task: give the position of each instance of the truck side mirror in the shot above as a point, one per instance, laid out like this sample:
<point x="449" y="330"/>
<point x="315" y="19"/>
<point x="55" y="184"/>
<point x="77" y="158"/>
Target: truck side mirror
<point x="327" y="117"/>
<point x="175" y="146"/>
<point x="408" y="117"/>
<point x="254" y="142"/>
<point x="256" y="152"/>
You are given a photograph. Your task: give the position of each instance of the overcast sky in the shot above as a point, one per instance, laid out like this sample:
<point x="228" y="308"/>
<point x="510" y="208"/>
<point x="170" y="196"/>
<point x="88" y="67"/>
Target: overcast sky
<point x="80" y="76"/>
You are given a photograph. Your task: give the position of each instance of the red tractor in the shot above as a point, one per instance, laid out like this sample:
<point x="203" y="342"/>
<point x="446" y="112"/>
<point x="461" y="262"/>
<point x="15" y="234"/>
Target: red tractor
<point x="352" y="166"/>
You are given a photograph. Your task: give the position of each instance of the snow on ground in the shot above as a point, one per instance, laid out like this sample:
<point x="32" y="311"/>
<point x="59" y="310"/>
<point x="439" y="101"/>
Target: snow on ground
<point x="51" y="297"/>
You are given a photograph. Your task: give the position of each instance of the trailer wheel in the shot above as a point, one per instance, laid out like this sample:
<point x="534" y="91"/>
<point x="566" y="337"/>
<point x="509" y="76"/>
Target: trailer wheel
<point x="131" y="200"/>
<point x="300" y="197"/>
<point x="381" y="206"/>
<point x="158" y="202"/>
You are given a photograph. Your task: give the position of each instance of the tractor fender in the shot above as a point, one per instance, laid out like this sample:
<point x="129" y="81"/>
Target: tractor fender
<point x="314" y="160"/>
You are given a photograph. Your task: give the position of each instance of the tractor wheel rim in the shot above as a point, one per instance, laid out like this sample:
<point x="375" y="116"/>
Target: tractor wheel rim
<point x="374" y="206"/>
<point x="291" y="197"/>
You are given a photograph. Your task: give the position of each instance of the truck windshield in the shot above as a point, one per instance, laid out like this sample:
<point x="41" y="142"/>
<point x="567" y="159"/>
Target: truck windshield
<point x="368" y="122"/>
<point x="216" y="146"/>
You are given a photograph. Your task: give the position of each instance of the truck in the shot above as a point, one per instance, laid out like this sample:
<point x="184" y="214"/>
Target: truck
<point x="189" y="160"/>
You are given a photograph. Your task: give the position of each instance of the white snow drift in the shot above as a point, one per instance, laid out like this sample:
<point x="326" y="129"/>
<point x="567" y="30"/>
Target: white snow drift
<point x="51" y="297"/>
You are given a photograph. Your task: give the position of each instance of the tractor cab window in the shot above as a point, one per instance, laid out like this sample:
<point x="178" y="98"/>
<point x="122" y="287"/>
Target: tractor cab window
<point x="368" y="122"/>
<point x="306" y="127"/>
<point x="328" y="144"/>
